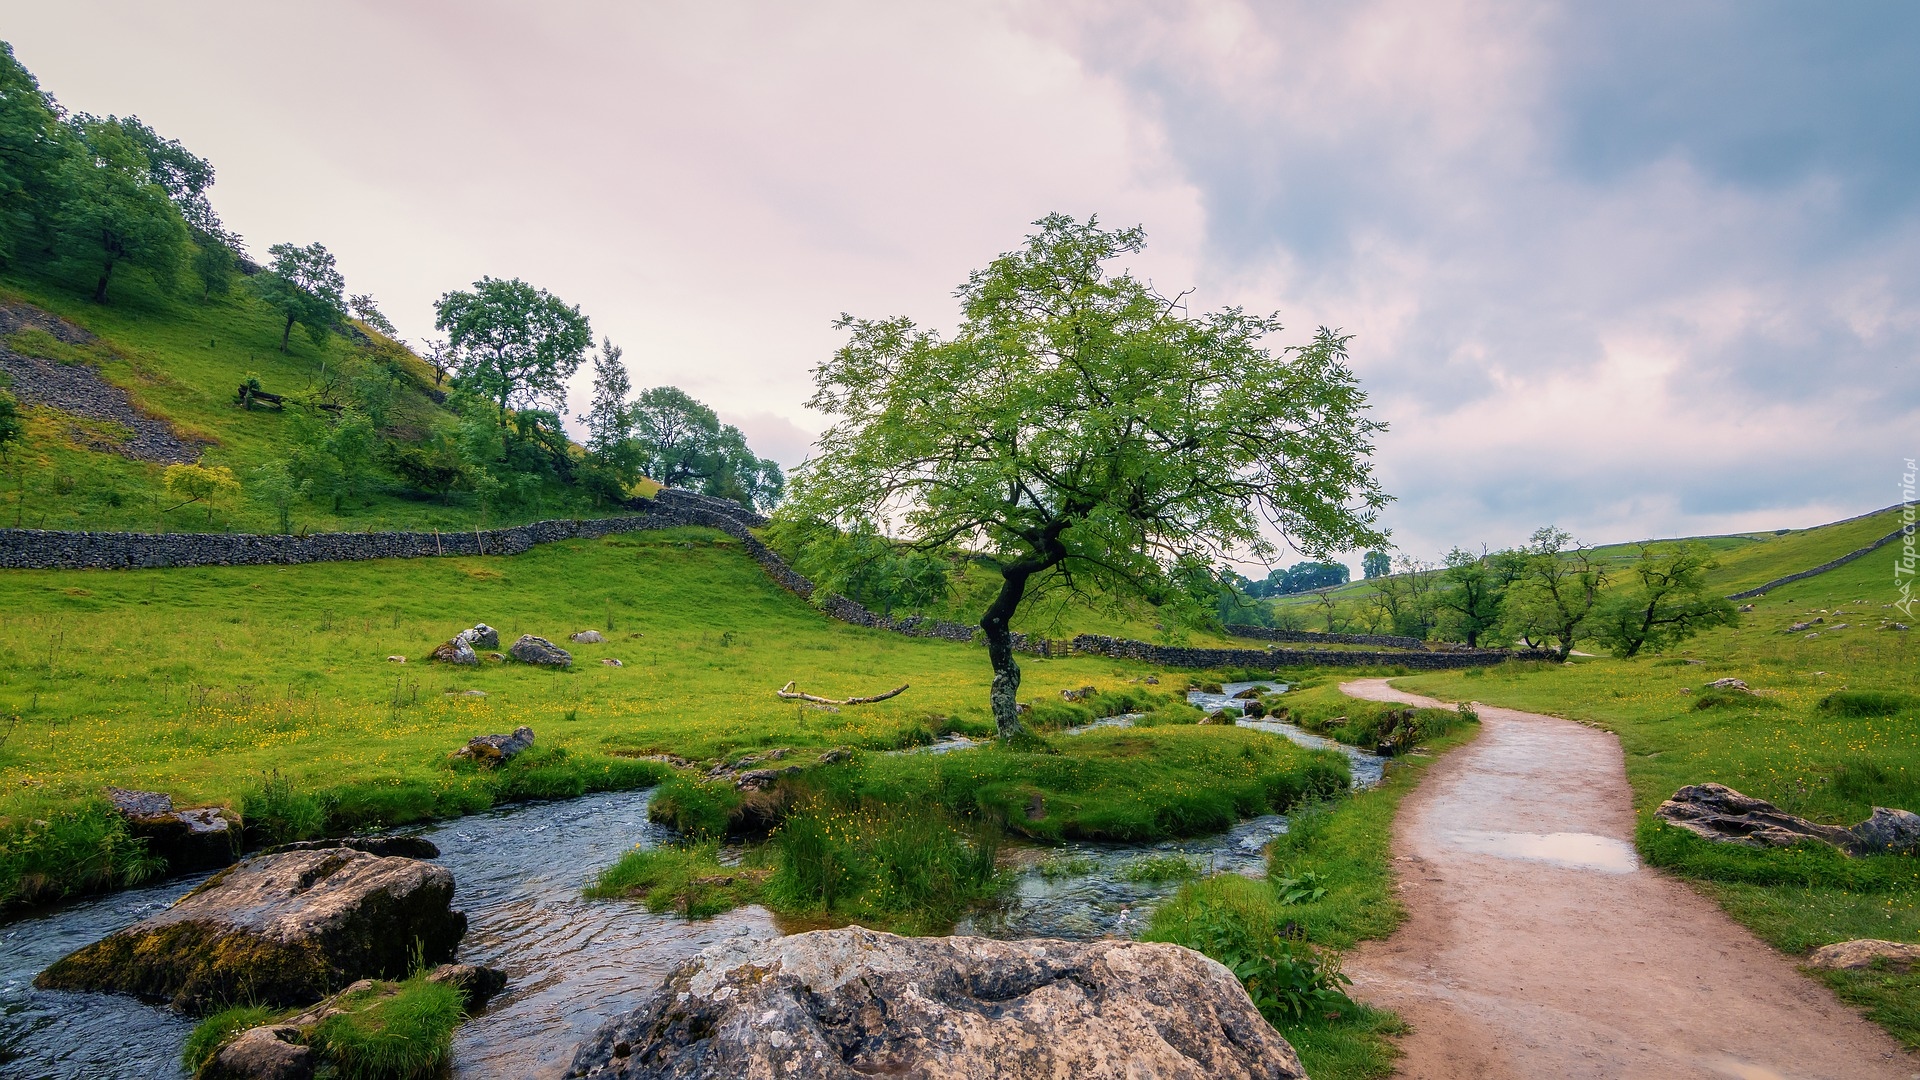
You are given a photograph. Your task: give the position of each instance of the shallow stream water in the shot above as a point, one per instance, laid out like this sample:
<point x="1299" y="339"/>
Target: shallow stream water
<point x="572" y="963"/>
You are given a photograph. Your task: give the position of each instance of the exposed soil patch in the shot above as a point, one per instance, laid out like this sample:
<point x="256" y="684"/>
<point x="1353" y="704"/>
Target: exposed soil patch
<point x="78" y="390"/>
<point x="1538" y="946"/>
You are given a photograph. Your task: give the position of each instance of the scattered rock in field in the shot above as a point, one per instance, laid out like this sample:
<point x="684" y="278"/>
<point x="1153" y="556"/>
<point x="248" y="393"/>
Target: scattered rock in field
<point x="1898" y="626"/>
<point x="405" y="847"/>
<point x="481" y="636"/>
<point x="1081" y="694"/>
<point x="1864" y="953"/>
<point x="1745" y="608"/>
<point x="588" y="637"/>
<point x="837" y="755"/>
<point x="282" y="930"/>
<point x="477" y="985"/>
<point x="611" y="662"/>
<point x="201" y="838"/>
<point x="1799" y="626"/>
<point x="1813" y="635"/>
<point x="1729" y="684"/>
<point x="817" y="707"/>
<point x="498" y="658"/>
<point x="1839" y="626"/>
<point x="396" y="659"/>
<point x="1717" y="812"/>
<point x="274" y="1052"/>
<point x="540" y="651"/>
<point x="1686" y="689"/>
<point x="1694" y="663"/>
<point x="456" y="651"/>
<point x="1888" y="831"/>
<point x="854" y="1002"/>
<point x="467" y="693"/>
<point x="491" y="750"/>
<point x="1153" y="680"/>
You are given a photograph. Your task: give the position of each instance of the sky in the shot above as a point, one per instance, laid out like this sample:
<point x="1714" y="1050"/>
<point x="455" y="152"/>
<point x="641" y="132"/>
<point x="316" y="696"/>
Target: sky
<point x="1632" y="269"/>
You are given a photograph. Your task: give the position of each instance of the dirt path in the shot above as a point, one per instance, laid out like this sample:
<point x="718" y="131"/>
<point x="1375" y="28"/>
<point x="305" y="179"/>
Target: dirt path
<point x="1538" y="947"/>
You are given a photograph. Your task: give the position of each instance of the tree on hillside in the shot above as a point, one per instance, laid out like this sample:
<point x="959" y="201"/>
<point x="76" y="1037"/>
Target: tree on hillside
<point x="613" y="454"/>
<point x="368" y="311"/>
<point x="514" y="344"/>
<point x="305" y="287"/>
<point x="1376" y="564"/>
<point x="683" y="444"/>
<point x="111" y="213"/>
<point x="182" y="174"/>
<point x="1472" y="589"/>
<point x="34" y="146"/>
<point x="1665" y="600"/>
<point x="1080" y="429"/>
<point x="1557" y="587"/>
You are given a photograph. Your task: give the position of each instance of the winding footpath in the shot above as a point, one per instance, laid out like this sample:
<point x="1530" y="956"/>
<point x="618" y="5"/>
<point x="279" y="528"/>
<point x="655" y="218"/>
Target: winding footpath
<point x="1537" y="946"/>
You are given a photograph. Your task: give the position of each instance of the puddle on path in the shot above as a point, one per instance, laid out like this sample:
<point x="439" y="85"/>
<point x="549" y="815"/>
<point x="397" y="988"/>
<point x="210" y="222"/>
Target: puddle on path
<point x="1576" y="851"/>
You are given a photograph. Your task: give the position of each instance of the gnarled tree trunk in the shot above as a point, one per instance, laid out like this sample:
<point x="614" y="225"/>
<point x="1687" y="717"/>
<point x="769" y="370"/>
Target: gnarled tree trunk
<point x="1005" y="690"/>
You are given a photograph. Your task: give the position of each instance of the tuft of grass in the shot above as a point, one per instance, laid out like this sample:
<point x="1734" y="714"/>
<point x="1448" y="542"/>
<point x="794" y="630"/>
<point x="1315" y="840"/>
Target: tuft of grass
<point x="214" y="1032"/>
<point x="1869" y="703"/>
<point x="1059" y="867"/>
<point x="50" y="851"/>
<point x="400" y="1031"/>
<point x="275" y="812"/>
<point x="1160" y="868"/>
<point x="914" y="869"/>
<point x="689" y="880"/>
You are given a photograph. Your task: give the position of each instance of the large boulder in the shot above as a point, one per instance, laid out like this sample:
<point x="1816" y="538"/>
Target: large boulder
<point x="1717" y="812"/>
<point x="274" y="1052"/>
<point x="855" y="1003"/>
<point x="280" y="930"/>
<point x="589" y="637"/>
<point x="457" y="651"/>
<point x="538" y="650"/>
<point x="491" y="750"/>
<point x="480" y="636"/>
<point x="200" y="838"/>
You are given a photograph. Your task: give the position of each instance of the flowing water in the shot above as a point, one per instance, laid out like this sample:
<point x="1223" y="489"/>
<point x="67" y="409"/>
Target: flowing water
<point x="572" y="963"/>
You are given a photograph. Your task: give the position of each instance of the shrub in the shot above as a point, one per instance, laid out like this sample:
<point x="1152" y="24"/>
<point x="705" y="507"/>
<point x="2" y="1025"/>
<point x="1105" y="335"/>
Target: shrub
<point x="1239" y="924"/>
<point x="49" y="854"/>
<point x="277" y="813"/>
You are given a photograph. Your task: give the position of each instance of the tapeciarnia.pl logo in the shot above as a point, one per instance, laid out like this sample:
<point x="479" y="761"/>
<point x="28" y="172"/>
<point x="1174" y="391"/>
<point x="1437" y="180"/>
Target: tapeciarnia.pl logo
<point x="1904" y="563"/>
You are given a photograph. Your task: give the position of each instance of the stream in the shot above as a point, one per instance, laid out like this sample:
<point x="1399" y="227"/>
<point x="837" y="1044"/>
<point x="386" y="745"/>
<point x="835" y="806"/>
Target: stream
<point x="571" y="963"/>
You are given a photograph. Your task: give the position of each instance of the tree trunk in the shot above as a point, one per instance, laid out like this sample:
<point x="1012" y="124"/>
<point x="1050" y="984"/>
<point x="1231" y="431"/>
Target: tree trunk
<point x="1005" y="691"/>
<point x="286" y="334"/>
<point x="100" y="287"/>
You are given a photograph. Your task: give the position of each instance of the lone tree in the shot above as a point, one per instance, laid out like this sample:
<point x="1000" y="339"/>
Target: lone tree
<point x="1664" y="600"/>
<point x="1558" y="585"/>
<point x="514" y="344"/>
<point x="1081" y="430"/>
<point x="303" y="285"/>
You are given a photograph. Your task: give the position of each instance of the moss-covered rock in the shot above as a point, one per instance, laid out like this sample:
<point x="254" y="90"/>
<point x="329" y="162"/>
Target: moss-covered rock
<point x="282" y="930"/>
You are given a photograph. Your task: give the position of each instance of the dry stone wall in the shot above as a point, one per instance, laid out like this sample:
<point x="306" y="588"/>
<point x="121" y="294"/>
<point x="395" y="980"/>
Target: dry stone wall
<point x="1182" y="656"/>
<point x="1379" y="641"/>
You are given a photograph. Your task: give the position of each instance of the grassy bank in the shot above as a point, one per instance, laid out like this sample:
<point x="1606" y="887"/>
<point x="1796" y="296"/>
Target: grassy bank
<point x="1330" y="886"/>
<point x="1832" y="731"/>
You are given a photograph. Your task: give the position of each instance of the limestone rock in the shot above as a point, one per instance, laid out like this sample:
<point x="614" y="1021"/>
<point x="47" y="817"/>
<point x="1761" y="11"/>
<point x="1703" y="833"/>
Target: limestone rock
<point x="589" y="637"/>
<point x="1855" y="955"/>
<point x="1717" y="812"/>
<point x="1894" y="831"/>
<point x="1728" y="684"/>
<point x="282" y="930"/>
<point x="538" y="650"/>
<point x="496" y="749"/>
<point x="477" y="985"/>
<point x="263" y="1053"/>
<point x="481" y="636"/>
<point x="396" y="659"/>
<point x="1799" y="626"/>
<point x="456" y="651"/>
<point x="609" y="661"/>
<point x="201" y="838"/>
<point x="854" y="1003"/>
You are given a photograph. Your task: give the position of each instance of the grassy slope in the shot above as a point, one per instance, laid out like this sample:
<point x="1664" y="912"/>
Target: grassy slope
<point x="1828" y="767"/>
<point x="181" y="360"/>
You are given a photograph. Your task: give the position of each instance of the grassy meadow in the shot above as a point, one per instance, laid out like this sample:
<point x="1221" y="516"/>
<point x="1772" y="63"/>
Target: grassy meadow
<point x="1832" y="731"/>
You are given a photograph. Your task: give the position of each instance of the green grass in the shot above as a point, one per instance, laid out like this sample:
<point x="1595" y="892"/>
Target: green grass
<point x="689" y="880"/>
<point x="1833" y="732"/>
<point x="393" y="1031"/>
<point x="1343" y="847"/>
<point x="214" y="1032"/>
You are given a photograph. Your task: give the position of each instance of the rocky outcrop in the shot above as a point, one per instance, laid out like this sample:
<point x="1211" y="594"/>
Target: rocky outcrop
<point x="200" y="838"/>
<point x="491" y="750"/>
<point x="280" y="930"/>
<point x="1716" y="812"/>
<point x="78" y="389"/>
<point x="540" y="651"/>
<point x="854" y="1003"/>
<point x="480" y="636"/>
<point x="1863" y="954"/>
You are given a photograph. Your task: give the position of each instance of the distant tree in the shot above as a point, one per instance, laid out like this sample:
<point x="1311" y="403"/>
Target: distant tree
<point x="275" y="487"/>
<point x="514" y="344"/>
<point x="211" y="486"/>
<point x="729" y="470"/>
<point x="613" y="454"/>
<point x="305" y="287"/>
<point x="34" y="148"/>
<point x="683" y="444"/>
<point x="367" y="311"/>
<point x="1081" y="430"/>
<point x="433" y="465"/>
<point x="11" y="428"/>
<point x="1376" y="564"/>
<point x="1302" y="577"/>
<point x="112" y="214"/>
<point x="1663" y="601"/>
<point x="1471" y="593"/>
<point x="216" y="262"/>
<point x="334" y="459"/>
<point x="438" y="357"/>
<point x="1556" y="590"/>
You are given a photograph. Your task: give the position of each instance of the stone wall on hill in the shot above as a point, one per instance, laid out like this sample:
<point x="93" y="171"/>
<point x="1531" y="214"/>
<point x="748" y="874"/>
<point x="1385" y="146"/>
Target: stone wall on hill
<point x="1268" y="633"/>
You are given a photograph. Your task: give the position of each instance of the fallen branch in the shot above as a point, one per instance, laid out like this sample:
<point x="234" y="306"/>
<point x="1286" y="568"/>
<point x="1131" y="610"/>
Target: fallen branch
<point x="791" y="694"/>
